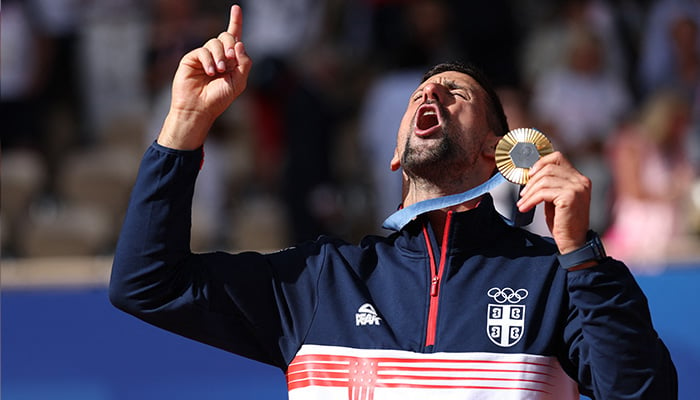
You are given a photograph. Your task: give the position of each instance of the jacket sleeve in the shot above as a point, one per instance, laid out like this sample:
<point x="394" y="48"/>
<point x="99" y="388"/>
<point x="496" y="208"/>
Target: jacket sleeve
<point x="249" y="304"/>
<point x="613" y="347"/>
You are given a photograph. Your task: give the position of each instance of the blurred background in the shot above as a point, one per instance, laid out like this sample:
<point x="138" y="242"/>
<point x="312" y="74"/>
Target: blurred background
<point x="84" y="88"/>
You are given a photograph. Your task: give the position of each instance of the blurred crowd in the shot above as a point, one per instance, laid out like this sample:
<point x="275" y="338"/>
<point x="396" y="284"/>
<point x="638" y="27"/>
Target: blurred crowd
<point x="85" y="86"/>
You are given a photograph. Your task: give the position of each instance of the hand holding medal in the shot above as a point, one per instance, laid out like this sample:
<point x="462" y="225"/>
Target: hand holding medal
<point x="518" y="151"/>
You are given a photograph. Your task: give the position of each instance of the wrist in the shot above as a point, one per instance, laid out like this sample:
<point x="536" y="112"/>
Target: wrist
<point x="586" y="265"/>
<point x="184" y="130"/>
<point x="586" y="256"/>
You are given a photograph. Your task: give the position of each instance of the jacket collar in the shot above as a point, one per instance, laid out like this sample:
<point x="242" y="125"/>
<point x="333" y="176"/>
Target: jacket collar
<point x="469" y="230"/>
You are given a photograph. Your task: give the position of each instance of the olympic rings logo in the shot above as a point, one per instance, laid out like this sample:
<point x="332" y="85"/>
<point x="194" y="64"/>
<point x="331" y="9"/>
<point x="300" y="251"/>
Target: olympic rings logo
<point x="507" y="294"/>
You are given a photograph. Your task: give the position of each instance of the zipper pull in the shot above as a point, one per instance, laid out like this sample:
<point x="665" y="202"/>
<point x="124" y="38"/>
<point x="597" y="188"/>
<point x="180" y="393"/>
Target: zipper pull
<point x="434" y="286"/>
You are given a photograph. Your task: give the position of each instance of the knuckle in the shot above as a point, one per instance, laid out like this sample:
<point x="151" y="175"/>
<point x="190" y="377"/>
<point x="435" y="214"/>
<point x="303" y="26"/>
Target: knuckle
<point x="585" y="183"/>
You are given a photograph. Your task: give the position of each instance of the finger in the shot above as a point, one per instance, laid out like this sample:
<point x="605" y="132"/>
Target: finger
<point x="555" y="158"/>
<point x="235" y="23"/>
<point x="526" y="202"/>
<point x="201" y="58"/>
<point x="229" y="43"/>
<point x="216" y="48"/>
<point x="545" y="187"/>
<point x="244" y="61"/>
<point x="546" y="195"/>
<point x="563" y="191"/>
<point x="553" y="167"/>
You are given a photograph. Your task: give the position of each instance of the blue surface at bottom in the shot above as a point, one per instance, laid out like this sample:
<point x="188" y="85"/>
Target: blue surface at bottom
<point x="73" y="345"/>
<point x="676" y="317"/>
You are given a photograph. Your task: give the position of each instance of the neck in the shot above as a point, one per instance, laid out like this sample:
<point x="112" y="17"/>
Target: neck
<point x="417" y="190"/>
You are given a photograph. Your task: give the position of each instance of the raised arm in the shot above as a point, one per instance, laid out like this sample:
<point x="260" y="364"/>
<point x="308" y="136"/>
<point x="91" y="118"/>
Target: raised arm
<point x="207" y="81"/>
<point x="155" y="276"/>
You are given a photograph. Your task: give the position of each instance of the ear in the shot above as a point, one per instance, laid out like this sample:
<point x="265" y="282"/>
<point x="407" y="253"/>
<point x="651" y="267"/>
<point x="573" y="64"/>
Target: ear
<point x="395" y="161"/>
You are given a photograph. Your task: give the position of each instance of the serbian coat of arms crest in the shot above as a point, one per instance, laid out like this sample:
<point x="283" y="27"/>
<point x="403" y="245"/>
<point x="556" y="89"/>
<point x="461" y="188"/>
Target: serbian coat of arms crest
<point x="506" y="319"/>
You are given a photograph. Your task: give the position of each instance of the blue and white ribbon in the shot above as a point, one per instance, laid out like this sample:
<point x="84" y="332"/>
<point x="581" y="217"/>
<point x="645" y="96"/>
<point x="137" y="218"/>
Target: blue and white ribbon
<point x="400" y="218"/>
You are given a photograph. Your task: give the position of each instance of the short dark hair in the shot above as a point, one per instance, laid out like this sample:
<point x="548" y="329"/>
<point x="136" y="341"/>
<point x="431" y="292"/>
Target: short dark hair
<point x="496" y="116"/>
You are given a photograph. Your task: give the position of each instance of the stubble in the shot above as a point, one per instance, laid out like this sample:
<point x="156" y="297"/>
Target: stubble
<point x="442" y="162"/>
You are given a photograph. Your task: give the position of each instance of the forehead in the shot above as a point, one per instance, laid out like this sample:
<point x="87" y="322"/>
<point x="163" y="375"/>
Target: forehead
<point x="453" y="79"/>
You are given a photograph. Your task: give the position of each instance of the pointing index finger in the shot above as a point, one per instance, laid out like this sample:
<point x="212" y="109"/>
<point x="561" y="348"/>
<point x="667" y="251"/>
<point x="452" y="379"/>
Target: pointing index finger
<point x="235" y="22"/>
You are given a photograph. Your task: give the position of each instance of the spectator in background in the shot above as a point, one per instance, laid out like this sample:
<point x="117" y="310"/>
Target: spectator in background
<point x="175" y="26"/>
<point x="669" y="48"/>
<point x="413" y="33"/>
<point x="283" y="28"/>
<point x="179" y="26"/>
<point x="487" y="34"/>
<point x="547" y="42"/>
<point x="21" y="59"/>
<point x="652" y="177"/>
<point x="23" y="165"/>
<point x="294" y="127"/>
<point x="579" y="105"/>
<point x="686" y="76"/>
<point x="112" y="86"/>
<point x="45" y="74"/>
<point x="670" y="58"/>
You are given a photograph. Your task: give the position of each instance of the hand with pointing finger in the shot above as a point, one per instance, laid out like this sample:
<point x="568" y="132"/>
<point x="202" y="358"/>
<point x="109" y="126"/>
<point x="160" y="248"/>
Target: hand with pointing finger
<point x="207" y="81"/>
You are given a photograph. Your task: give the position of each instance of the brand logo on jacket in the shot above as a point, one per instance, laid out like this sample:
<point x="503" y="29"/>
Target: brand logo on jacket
<point x="506" y="319"/>
<point x="367" y="315"/>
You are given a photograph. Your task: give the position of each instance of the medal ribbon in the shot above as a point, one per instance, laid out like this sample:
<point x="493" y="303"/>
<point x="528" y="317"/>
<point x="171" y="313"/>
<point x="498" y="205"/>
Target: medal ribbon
<point x="400" y="218"/>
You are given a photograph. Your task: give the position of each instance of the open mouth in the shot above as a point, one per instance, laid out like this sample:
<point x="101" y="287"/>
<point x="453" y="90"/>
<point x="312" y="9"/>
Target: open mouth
<point x="427" y="119"/>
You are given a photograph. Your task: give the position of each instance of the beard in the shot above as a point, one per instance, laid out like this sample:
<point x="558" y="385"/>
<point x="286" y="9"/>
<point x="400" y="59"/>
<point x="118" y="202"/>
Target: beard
<point x="438" y="161"/>
<point x="428" y="162"/>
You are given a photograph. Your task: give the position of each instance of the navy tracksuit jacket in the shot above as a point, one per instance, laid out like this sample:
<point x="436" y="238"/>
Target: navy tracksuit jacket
<point x="487" y="315"/>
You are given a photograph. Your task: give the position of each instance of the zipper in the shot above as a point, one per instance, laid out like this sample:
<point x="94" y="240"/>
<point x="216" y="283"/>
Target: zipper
<point x="436" y="271"/>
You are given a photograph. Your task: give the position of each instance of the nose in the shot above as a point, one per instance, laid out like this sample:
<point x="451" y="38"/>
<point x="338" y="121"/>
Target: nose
<point x="432" y="91"/>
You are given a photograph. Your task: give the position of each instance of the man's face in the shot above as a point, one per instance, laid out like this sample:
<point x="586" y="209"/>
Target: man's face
<point x="444" y="130"/>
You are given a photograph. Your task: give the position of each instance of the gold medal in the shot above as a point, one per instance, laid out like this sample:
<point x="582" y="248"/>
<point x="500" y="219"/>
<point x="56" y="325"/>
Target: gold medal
<point x="518" y="151"/>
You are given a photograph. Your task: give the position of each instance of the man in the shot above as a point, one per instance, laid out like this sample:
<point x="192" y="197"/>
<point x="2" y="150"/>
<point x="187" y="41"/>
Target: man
<point x="456" y="304"/>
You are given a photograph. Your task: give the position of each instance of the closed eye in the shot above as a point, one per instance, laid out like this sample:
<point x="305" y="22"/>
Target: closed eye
<point x="461" y="93"/>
